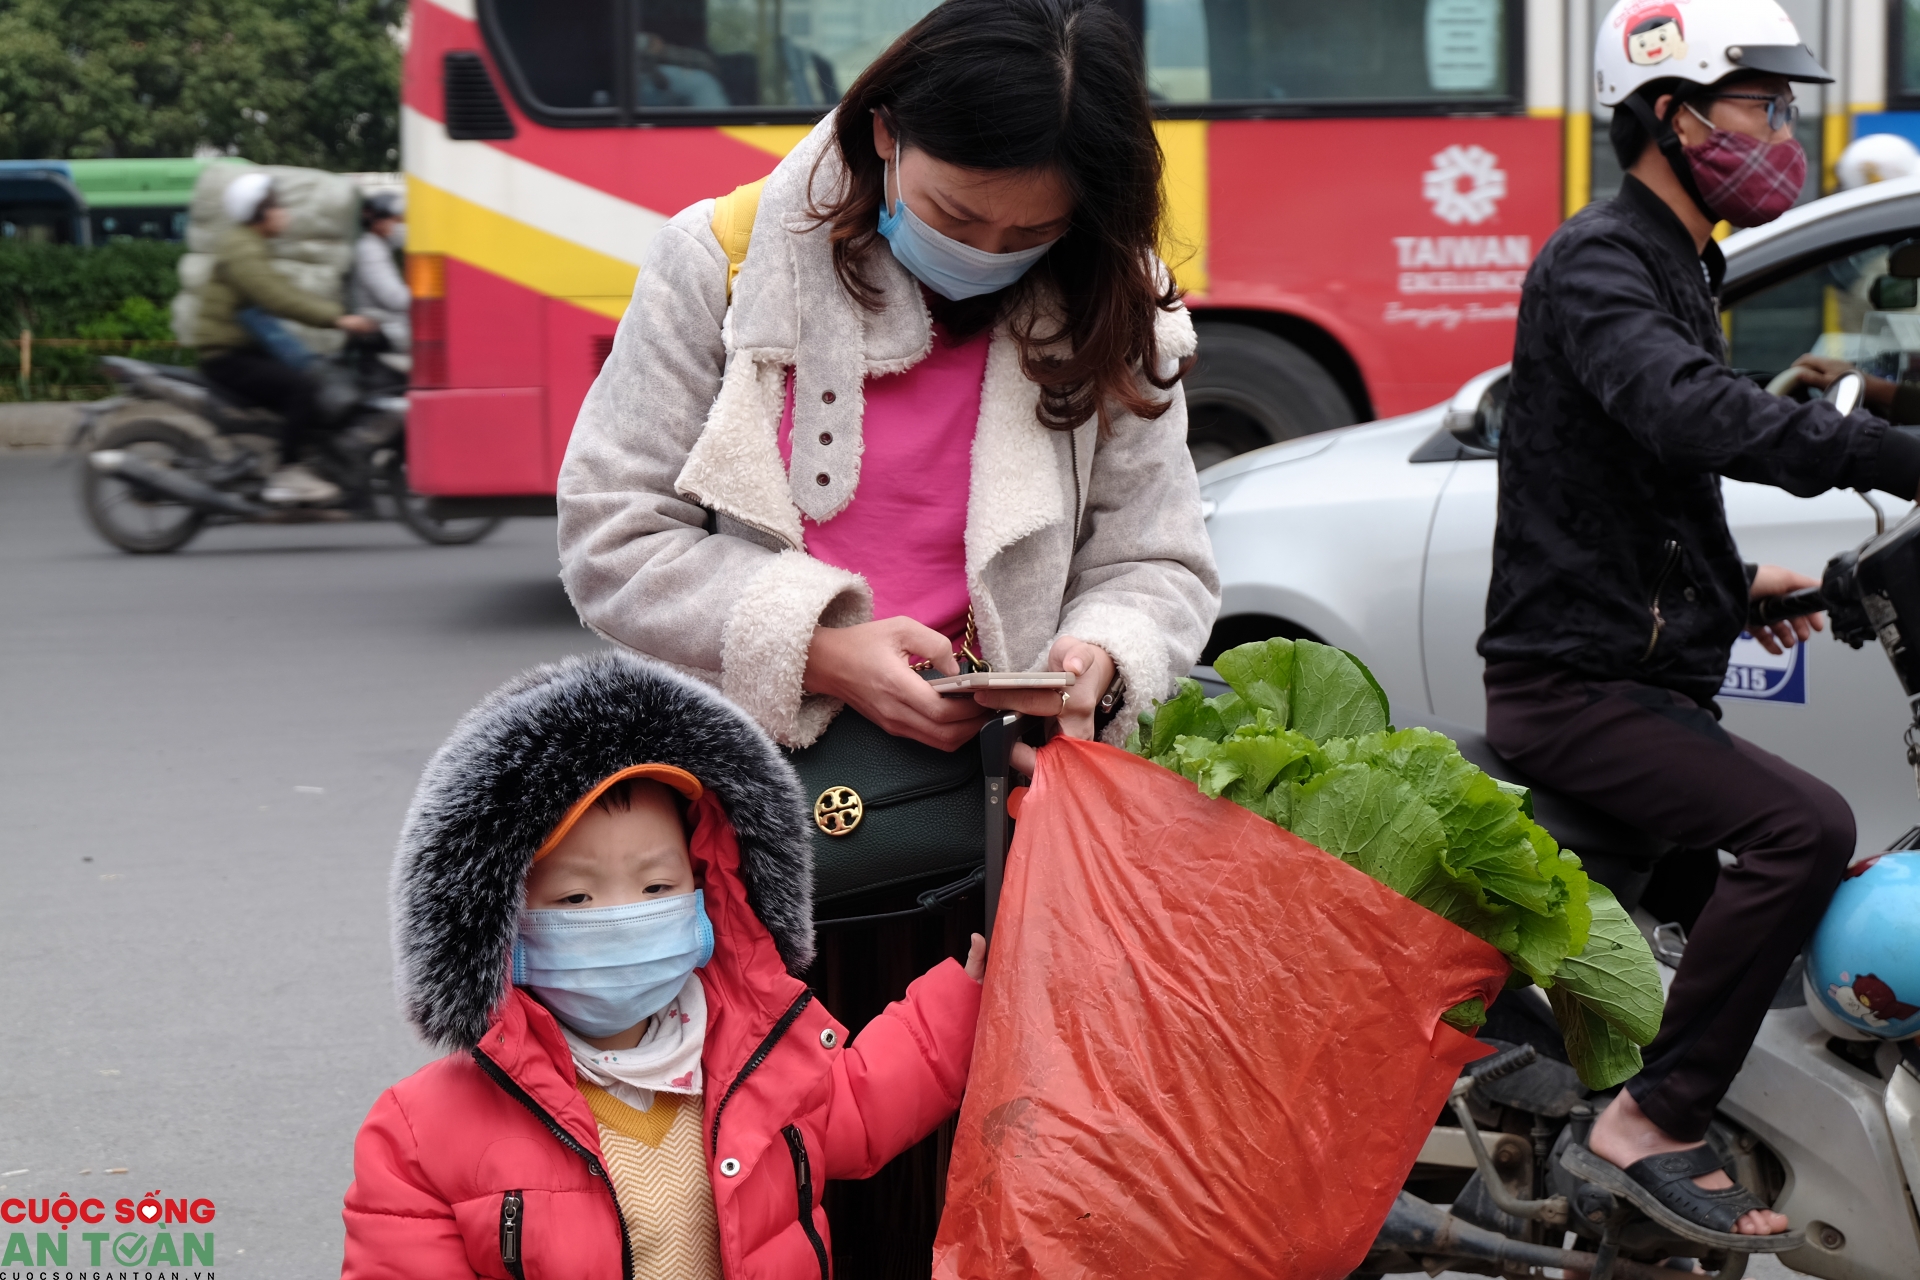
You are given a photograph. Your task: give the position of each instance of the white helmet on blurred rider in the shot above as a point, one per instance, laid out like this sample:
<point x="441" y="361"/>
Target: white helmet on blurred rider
<point x="1878" y="157"/>
<point x="243" y="197"/>
<point x="1703" y="41"/>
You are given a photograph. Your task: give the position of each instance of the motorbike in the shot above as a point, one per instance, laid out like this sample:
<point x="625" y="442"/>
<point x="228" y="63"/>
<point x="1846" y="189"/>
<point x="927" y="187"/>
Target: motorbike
<point x="172" y="453"/>
<point x="1821" y="1123"/>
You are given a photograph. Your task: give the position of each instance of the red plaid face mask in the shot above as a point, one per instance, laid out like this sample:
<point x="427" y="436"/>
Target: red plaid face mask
<point x="1745" y="180"/>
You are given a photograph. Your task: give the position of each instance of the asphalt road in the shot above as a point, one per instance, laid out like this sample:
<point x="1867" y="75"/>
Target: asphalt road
<point x="204" y="761"/>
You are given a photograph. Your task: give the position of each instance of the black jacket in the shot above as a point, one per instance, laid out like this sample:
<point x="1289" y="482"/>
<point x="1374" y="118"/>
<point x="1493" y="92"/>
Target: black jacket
<point x="1612" y="555"/>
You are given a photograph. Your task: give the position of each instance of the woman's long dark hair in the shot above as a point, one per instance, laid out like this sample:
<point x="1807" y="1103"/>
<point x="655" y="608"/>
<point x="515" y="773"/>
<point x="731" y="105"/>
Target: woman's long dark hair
<point x="1029" y="84"/>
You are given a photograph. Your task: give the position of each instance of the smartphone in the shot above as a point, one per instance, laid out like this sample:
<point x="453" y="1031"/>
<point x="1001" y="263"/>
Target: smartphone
<point x="980" y="681"/>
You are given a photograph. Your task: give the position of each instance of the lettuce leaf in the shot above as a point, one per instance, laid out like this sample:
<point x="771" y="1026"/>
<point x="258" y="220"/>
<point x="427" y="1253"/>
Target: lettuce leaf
<point x="1600" y="1052"/>
<point x="1615" y="975"/>
<point x="1333" y="695"/>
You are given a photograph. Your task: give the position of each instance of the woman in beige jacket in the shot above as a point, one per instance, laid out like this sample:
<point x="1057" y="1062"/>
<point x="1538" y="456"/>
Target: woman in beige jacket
<point x="727" y="430"/>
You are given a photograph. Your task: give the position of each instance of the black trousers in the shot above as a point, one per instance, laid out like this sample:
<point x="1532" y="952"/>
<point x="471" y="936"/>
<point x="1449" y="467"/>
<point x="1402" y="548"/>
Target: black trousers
<point x="257" y="377"/>
<point x="1661" y="762"/>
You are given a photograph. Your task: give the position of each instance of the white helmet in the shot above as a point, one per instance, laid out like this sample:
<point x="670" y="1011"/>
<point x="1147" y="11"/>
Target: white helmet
<point x="244" y="195"/>
<point x="1703" y="41"/>
<point x="1877" y="157"/>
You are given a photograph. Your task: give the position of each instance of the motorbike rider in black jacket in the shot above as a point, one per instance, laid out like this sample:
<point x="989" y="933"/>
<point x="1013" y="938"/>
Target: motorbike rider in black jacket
<point x="1617" y="589"/>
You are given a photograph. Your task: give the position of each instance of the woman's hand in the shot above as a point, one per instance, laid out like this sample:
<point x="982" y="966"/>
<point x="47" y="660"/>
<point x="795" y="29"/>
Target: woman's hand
<point x="356" y="324"/>
<point x="1821" y="372"/>
<point x="870" y="668"/>
<point x="1778" y="637"/>
<point x="1093" y="672"/>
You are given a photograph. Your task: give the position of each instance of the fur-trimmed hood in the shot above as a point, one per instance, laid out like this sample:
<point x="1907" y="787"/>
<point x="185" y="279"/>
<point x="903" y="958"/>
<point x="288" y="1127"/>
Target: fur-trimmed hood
<point x="508" y="773"/>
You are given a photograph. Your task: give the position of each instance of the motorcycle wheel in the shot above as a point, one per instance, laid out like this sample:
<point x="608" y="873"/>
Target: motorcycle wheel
<point x="412" y="509"/>
<point x="129" y="517"/>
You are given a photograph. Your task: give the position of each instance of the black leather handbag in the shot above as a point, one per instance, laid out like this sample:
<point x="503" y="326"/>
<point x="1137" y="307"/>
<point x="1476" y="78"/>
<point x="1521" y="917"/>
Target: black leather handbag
<point x="890" y="811"/>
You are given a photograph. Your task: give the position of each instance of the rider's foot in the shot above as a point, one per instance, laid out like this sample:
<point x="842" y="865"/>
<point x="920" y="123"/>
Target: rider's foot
<point x="1624" y="1135"/>
<point x="296" y="485"/>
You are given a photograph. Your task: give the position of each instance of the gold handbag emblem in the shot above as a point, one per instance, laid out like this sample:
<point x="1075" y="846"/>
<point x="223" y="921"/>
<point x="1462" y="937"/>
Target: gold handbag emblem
<point x="838" y="811"/>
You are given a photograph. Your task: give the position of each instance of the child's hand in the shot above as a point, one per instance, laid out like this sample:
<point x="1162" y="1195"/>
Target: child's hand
<point x="977" y="958"/>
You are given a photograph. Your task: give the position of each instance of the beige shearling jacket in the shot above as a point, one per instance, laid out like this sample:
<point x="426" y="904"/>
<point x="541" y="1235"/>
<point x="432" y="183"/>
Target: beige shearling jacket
<point x="680" y="531"/>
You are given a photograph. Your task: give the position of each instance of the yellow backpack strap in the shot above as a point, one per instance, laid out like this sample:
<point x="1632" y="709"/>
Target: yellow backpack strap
<point x="733" y="225"/>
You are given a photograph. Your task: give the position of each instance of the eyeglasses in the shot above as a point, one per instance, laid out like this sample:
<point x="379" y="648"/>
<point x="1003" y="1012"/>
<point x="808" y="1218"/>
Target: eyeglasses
<point x="1781" y="111"/>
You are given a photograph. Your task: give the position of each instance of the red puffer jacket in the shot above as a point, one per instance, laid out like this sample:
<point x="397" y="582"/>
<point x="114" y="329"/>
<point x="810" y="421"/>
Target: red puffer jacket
<point x="495" y="1151"/>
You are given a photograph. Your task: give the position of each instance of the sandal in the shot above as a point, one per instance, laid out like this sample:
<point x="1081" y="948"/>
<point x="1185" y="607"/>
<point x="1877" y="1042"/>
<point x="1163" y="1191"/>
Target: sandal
<point x="1662" y="1187"/>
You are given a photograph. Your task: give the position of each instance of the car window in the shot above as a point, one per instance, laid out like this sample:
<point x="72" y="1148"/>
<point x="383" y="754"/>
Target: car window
<point x="1847" y="306"/>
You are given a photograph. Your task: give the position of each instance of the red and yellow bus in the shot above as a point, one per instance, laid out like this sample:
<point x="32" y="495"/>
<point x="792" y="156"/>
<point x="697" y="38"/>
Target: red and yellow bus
<point x="1356" y="188"/>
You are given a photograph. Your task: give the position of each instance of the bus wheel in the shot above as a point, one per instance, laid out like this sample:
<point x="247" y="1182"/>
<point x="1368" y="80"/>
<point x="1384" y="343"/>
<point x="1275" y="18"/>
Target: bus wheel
<point x="412" y="509"/>
<point x="1249" y="388"/>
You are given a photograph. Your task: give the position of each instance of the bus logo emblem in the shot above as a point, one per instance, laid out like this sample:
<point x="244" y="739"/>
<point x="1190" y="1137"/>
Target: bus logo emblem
<point x="1465" y="184"/>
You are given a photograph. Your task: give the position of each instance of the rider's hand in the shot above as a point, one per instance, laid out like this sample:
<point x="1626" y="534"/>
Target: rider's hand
<point x="1093" y="672"/>
<point x="1822" y="372"/>
<point x="869" y="667"/>
<point x="1772" y="580"/>
<point x="357" y="324"/>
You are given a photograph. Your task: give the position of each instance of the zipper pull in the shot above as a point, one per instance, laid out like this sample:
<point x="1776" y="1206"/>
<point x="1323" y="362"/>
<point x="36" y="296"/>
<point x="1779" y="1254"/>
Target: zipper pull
<point x="512" y="1206"/>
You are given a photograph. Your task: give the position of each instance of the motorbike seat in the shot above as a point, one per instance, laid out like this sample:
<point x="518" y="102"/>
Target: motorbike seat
<point x="1618" y="855"/>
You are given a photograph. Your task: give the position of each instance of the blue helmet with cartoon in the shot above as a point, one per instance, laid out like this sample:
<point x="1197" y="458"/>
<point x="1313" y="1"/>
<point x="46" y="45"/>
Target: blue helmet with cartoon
<point x="1863" y="966"/>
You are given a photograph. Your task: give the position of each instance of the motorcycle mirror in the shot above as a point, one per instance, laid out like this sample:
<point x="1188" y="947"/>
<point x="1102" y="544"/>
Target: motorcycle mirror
<point x="1846" y="392"/>
<point x="1894" y="293"/>
<point x="1904" y="260"/>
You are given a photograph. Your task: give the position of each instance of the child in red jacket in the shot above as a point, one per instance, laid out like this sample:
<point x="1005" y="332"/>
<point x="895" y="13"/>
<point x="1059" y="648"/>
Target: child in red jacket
<point x="602" y="895"/>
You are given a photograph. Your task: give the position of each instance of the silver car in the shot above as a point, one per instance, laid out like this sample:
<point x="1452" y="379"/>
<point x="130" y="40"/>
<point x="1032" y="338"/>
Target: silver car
<point x="1378" y="538"/>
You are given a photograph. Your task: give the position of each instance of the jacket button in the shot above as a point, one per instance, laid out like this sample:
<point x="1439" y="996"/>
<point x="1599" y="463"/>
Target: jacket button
<point x="826" y="397"/>
<point x="822" y="480"/>
<point x="1688" y="593"/>
<point x="829" y="1038"/>
<point x="826" y="437"/>
<point x="729" y="1167"/>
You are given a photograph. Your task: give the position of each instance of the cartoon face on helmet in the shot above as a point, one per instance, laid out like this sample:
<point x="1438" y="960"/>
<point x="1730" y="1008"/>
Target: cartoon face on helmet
<point x="1698" y="41"/>
<point x="1863" y="966"/>
<point x="1657" y="37"/>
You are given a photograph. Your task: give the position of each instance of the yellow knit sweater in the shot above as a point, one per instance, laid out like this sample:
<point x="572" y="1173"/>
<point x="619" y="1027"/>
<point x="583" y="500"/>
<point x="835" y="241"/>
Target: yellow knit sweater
<point x="660" y="1178"/>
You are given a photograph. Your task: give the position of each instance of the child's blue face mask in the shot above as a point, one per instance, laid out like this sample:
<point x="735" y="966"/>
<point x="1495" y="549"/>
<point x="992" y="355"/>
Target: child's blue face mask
<point x="605" y="969"/>
<point x="949" y="268"/>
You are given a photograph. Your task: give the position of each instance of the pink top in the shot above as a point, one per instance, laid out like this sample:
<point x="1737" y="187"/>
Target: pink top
<point x="905" y="531"/>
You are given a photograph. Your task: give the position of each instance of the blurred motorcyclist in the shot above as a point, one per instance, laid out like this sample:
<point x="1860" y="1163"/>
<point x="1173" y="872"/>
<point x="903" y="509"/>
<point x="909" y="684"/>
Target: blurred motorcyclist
<point x="1617" y="589"/>
<point x="377" y="289"/>
<point x="234" y="357"/>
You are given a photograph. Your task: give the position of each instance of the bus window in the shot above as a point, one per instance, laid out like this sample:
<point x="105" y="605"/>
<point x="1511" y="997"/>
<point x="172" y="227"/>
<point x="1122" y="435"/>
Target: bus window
<point x="563" y="55"/>
<point x="1309" y="51"/>
<point x="689" y="55"/>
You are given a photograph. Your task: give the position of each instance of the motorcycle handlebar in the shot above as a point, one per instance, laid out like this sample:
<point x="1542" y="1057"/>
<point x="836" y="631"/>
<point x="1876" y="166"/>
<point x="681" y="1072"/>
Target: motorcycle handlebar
<point x="1794" y="604"/>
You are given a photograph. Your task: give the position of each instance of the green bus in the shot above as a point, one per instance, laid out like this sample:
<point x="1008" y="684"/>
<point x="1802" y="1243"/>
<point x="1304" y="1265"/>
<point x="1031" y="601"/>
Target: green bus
<point x="139" y="199"/>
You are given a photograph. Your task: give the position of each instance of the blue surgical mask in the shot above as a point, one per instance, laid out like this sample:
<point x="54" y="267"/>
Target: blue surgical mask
<point x="949" y="268"/>
<point x="605" y="969"/>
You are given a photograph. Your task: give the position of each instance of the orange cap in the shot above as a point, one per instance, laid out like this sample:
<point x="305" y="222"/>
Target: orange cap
<point x="665" y="774"/>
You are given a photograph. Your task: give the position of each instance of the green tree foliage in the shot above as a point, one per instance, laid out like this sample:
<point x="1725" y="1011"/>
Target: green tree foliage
<point x="278" y="81"/>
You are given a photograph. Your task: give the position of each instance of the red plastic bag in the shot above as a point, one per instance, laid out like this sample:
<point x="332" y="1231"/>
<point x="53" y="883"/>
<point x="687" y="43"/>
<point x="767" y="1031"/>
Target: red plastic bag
<point x="1207" y="1048"/>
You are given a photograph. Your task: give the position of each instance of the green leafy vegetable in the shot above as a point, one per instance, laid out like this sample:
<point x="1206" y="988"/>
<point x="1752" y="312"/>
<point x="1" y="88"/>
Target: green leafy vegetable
<point x="1600" y="1052"/>
<point x="1615" y="975"/>
<point x="1302" y="738"/>
<point x="1467" y="1015"/>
